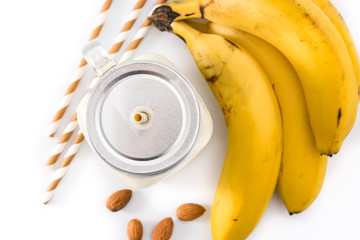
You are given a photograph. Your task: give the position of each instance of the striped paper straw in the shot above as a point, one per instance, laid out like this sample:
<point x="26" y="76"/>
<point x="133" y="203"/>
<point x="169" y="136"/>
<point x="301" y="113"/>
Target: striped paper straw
<point x="124" y="33"/>
<point x="70" y="128"/>
<point x="75" y="146"/>
<point x="65" y="101"/>
<point x="60" y="146"/>
<point x="60" y="172"/>
<point x="139" y="36"/>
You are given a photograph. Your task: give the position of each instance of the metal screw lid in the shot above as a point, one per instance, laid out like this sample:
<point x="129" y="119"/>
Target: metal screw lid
<point x="143" y="118"/>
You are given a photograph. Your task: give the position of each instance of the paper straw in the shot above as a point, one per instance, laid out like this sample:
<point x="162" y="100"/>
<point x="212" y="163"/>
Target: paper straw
<point x="139" y="36"/>
<point x="60" y="146"/>
<point x="60" y="172"/>
<point x="65" y="101"/>
<point x="71" y="126"/>
<point x="124" y="33"/>
<point x="75" y="146"/>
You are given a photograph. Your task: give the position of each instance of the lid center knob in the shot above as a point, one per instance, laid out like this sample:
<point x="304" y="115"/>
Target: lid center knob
<point x="141" y="117"/>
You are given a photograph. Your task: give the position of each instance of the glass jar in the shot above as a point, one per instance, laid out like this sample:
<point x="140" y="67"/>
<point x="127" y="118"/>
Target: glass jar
<point x="143" y="118"/>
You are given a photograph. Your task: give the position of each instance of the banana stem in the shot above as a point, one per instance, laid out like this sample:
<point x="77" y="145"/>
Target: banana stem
<point x="163" y="16"/>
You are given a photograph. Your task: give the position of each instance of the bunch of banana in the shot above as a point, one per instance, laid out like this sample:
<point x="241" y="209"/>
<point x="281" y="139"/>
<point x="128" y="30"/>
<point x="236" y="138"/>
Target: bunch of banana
<point x="302" y="49"/>
<point x="309" y="40"/>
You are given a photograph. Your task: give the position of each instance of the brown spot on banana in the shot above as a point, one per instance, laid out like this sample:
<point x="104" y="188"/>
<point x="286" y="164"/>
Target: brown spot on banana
<point x="209" y="67"/>
<point x="307" y="16"/>
<point x="227" y="109"/>
<point x="339" y="117"/>
<point x="212" y="79"/>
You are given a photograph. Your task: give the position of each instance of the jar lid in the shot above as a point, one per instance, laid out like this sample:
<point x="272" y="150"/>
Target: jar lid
<point x="143" y="117"/>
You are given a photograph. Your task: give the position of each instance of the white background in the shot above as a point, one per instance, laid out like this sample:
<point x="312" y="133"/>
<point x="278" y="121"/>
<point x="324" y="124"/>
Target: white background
<point x="40" y="48"/>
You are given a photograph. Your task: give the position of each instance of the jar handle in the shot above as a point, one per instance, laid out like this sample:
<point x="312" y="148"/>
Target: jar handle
<point x="97" y="57"/>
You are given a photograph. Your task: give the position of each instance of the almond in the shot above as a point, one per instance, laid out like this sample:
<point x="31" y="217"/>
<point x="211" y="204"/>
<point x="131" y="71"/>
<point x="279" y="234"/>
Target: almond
<point x="118" y="200"/>
<point x="189" y="211"/>
<point x="135" y="230"/>
<point x="163" y="230"/>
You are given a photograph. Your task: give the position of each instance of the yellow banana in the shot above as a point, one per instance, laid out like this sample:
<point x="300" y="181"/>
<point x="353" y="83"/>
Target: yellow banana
<point x="302" y="169"/>
<point x="253" y="123"/>
<point x="306" y="36"/>
<point x="335" y="17"/>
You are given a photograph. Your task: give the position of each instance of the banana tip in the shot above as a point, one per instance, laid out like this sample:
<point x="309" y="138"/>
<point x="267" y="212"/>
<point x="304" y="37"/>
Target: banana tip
<point x="292" y="213"/>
